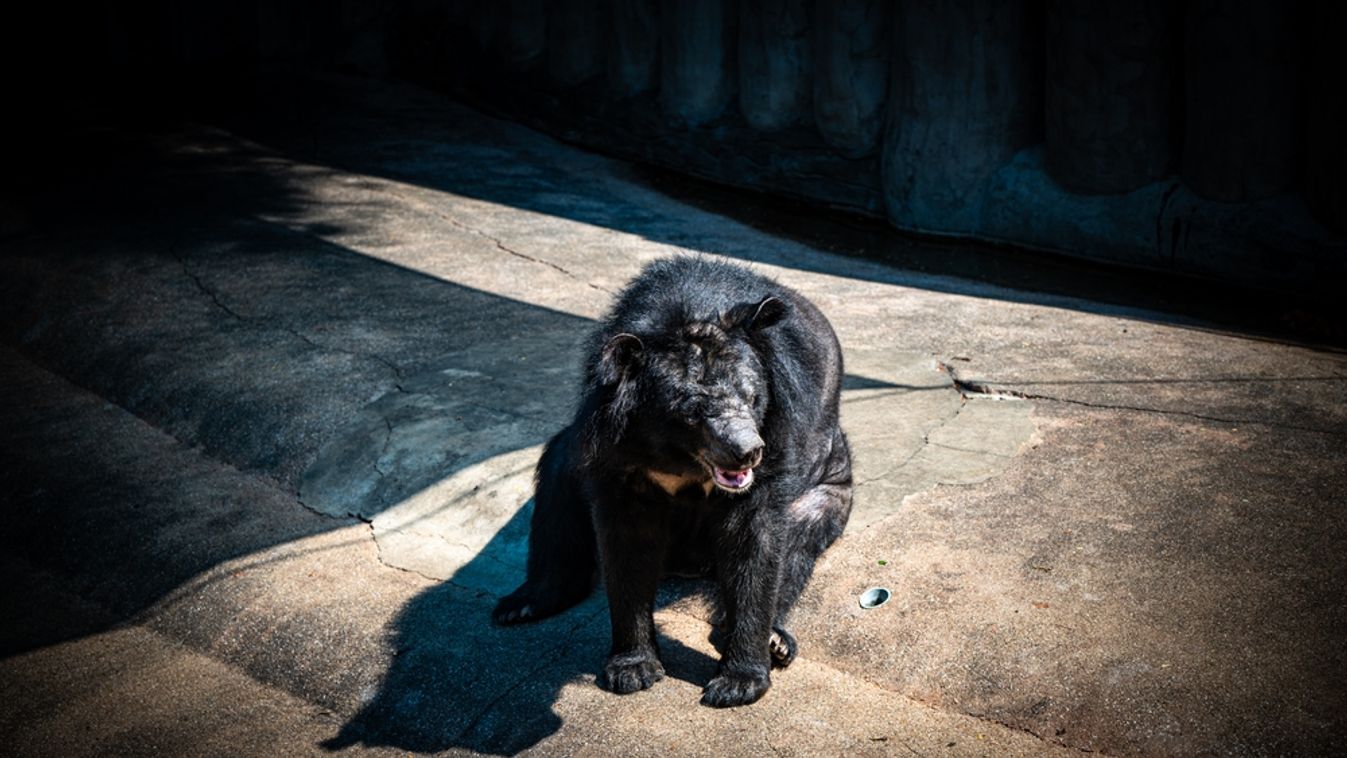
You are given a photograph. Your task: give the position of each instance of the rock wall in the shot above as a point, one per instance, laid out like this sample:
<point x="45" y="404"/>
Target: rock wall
<point x="1204" y="137"/>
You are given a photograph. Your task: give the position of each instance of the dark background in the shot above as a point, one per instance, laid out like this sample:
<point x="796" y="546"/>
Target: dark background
<point x="1201" y="138"/>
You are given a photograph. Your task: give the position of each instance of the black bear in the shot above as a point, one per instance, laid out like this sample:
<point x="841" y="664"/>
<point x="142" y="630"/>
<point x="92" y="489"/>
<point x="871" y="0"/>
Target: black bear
<point x="706" y="441"/>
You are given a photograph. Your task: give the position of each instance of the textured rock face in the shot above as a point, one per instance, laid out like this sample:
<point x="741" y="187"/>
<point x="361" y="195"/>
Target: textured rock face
<point x="632" y="58"/>
<point x="775" y="62"/>
<point x="697" y="65"/>
<point x="1240" y="64"/>
<point x="1108" y="100"/>
<point x="522" y="34"/>
<point x="965" y="99"/>
<point x="574" y="50"/>
<point x="1326" y="118"/>
<point x="851" y="73"/>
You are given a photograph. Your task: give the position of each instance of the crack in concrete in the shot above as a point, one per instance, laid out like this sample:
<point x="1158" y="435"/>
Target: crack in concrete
<point x="970" y="387"/>
<point x="969" y="450"/>
<point x="194" y="447"/>
<point x="479" y="552"/>
<point x="391" y="366"/>
<point x="925" y="442"/>
<point x="215" y="299"/>
<point x="909" y="748"/>
<point x="379" y="556"/>
<point x="504" y="248"/>
<point x="1026" y="730"/>
<point x="201" y="286"/>
<point x="436" y="212"/>
<point x="767" y="737"/>
<point x="378" y="470"/>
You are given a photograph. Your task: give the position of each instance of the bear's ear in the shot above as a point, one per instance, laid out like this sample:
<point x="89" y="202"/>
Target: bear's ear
<point x="760" y="315"/>
<point x="618" y="354"/>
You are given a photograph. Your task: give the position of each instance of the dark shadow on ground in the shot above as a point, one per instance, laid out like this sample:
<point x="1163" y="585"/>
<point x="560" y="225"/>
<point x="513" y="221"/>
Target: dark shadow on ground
<point x="459" y="682"/>
<point x="134" y="275"/>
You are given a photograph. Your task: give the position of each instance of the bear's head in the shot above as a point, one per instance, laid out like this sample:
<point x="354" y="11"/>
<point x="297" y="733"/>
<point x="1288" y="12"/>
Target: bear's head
<point x="693" y="395"/>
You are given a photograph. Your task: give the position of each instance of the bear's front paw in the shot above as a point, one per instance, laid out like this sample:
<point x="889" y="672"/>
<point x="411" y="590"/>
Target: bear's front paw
<point x="629" y="672"/>
<point x="521" y="606"/>
<point x="731" y="689"/>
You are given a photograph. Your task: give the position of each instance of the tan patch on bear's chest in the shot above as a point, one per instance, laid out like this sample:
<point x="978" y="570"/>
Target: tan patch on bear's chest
<point x="674" y="483"/>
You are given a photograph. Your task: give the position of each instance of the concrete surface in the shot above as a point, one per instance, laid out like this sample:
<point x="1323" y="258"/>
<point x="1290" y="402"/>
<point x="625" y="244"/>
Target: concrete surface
<point x="275" y="382"/>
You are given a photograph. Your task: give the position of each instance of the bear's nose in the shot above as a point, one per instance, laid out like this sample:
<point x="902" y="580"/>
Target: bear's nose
<point x="734" y="443"/>
<point x="748" y="451"/>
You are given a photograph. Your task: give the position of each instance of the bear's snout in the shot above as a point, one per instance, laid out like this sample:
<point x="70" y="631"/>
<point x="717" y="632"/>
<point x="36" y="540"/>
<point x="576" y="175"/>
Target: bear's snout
<point x="736" y="444"/>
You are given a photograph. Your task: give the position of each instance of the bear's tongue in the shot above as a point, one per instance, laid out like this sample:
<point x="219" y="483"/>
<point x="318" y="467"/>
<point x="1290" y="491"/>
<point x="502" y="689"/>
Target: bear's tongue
<point x="735" y="480"/>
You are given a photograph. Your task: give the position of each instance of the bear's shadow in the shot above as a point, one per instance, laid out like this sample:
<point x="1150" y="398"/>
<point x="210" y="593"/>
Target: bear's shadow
<point x="458" y="681"/>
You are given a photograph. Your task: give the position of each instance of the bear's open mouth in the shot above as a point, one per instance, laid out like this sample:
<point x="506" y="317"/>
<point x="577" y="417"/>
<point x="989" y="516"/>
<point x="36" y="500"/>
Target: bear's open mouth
<point x="733" y="481"/>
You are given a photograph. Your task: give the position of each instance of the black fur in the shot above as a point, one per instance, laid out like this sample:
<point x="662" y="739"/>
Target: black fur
<point x="725" y="384"/>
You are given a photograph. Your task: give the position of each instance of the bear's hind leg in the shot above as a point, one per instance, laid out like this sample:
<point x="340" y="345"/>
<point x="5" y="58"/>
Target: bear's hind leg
<point x="562" y="558"/>
<point x="817" y="519"/>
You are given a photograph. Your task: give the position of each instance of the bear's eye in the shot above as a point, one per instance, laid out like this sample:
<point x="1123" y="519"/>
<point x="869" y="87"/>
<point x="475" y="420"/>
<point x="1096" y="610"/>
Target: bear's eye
<point x="752" y="396"/>
<point x="690" y="411"/>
